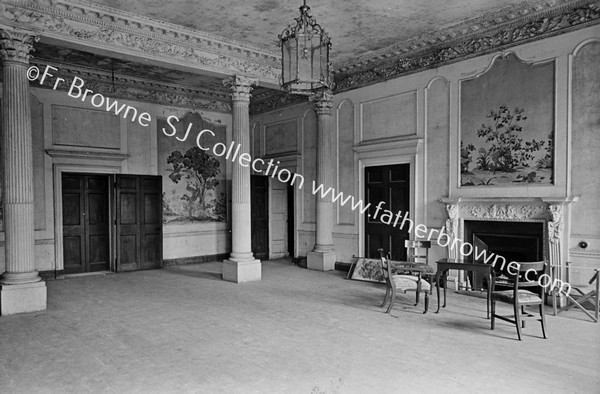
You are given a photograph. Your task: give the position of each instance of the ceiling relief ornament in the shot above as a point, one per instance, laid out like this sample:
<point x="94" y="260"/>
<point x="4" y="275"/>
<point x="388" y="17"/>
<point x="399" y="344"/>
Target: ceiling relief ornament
<point x="503" y="211"/>
<point x="555" y="21"/>
<point x="70" y="21"/>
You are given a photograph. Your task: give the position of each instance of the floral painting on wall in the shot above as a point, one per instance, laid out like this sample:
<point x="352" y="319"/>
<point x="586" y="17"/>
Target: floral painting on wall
<point x="194" y="187"/>
<point x="507" y="125"/>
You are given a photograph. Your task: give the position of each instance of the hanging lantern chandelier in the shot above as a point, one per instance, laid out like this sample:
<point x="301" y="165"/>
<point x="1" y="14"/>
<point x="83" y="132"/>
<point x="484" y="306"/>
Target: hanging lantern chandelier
<point x="305" y="66"/>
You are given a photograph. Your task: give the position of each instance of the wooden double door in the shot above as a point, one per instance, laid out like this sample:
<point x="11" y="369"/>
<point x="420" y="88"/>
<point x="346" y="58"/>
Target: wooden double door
<point x="111" y="222"/>
<point x="389" y="187"/>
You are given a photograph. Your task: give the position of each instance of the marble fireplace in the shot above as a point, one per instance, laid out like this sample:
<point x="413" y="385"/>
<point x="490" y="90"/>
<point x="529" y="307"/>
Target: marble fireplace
<point x="520" y="229"/>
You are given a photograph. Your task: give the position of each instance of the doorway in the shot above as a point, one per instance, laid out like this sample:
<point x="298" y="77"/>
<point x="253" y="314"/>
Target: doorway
<point x="290" y="222"/>
<point x="278" y="219"/>
<point x="138" y="222"/>
<point x="259" y="203"/>
<point x="111" y="218"/>
<point x="86" y="237"/>
<point x="389" y="184"/>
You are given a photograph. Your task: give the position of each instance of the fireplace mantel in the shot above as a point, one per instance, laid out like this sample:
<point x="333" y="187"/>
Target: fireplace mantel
<point x="550" y="211"/>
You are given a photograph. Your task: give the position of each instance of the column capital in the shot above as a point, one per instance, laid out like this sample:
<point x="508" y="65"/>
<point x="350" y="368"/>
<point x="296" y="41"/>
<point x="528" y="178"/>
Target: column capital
<point x="16" y="45"/>
<point x="240" y="87"/>
<point x="322" y="102"/>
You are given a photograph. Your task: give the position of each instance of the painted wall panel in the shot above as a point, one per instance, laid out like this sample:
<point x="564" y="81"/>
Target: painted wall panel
<point x="138" y="148"/>
<point x="585" y="163"/>
<point x="85" y="128"/>
<point x="390" y="116"/>
<point x="309" y="164"/>
<point x="436" y="143"/>
<point x="281" y="137"/>
<point x="345" y="155"/>
<point x="586" y="139"/>
<point x="39" y="182"/>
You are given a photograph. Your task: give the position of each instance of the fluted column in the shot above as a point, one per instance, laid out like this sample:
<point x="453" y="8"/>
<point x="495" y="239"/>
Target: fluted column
<point x="241" y="265"/>
<point x="21" y="289"/>
<point x="322" y="258"/>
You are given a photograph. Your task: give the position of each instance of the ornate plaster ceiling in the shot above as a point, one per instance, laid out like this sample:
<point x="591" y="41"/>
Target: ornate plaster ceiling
<point x="356" y="27"/>
<point x="372" y="40"/>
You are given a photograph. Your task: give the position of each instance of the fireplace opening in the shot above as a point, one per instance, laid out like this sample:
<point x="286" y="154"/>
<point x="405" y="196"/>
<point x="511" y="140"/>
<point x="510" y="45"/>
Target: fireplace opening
<point x="515" y="241"/>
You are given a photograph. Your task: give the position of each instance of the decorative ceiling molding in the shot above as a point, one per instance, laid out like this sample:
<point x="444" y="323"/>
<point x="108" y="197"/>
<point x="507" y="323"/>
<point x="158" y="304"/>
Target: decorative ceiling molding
<point x="90" y="25"/>
<point x="269" y="101"/>
<point x="473" y="42"/>
<point x="137" y="89"/>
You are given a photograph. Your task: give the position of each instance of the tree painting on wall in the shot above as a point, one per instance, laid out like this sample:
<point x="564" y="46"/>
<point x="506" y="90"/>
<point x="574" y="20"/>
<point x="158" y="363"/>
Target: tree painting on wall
<point x="507" y="125"/>
<point x="194" y="182"/>
<point x="199" y="171"/>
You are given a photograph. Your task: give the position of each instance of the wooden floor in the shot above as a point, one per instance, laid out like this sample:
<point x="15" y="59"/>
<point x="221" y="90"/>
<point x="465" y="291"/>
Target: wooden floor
<point x="183" y="329"/>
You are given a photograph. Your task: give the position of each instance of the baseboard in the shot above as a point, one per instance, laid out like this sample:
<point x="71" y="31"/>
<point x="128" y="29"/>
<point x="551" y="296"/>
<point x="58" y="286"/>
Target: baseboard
<point x="345" y="267"/>
<point x="195" y="259"/>
<point x="51" y="274"/>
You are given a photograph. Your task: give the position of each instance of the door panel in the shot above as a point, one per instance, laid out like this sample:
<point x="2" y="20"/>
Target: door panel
<point x="139" y="222"/>
<point x="151" y="223"/>
<point x="97" y="222"/>
<point x="278" y="246"/>
<point x="260" y="216"/>
<point x="391" y="185"/>
<point x="86" y="237"/>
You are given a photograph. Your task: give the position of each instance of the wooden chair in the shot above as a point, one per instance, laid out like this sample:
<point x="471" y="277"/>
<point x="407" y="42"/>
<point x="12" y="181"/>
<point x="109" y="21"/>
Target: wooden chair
<point x="417" y="252"/>
<point x="402" y="282"/>
<point x="417" y="256"/>
<point x="524" y="291"/>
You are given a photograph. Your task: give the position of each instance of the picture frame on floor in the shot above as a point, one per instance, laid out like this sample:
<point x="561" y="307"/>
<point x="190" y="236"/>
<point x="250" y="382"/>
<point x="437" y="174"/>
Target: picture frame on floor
<point x="366" y="269"/>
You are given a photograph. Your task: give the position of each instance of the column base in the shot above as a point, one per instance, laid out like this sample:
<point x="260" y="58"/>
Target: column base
<point x="320" y="261"/>
<point x="242" y="271"/>
<point x="28" y="297"/>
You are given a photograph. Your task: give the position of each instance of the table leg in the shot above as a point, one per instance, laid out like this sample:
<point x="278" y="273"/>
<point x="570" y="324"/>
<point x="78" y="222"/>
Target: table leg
<point x="488" y="294"/>
<point x="445" y="274"/>
<point x="437" y="282"/>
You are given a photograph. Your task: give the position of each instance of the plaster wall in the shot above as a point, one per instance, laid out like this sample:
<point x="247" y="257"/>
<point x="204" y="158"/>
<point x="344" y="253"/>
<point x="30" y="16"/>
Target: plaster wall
<point x="585" y="159"/>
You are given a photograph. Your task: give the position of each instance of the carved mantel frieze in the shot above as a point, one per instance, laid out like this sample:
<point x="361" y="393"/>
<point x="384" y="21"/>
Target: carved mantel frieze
<point x="503" y="211"/>
<point x="506" y="209"/>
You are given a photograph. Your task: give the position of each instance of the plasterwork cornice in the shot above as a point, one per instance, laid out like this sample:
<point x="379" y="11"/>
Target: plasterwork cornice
<point x="85" y="23"/>
<point x="489" y="33"/>
<point x="137" y="89"/>
<point x="466" y="41"/>
<point x="270" y="101"/>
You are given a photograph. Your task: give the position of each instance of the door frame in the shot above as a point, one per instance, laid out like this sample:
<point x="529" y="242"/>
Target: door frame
<point x="290" y="162"/>
<point x="272" y="232"/>
<point x="402" y="152"/>
<point x="253" y="180"/>
<point x="98" y="169"/>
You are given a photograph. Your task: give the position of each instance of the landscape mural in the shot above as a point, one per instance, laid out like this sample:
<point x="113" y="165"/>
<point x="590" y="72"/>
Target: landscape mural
<point x="194" y="187"/>
<point x="507" y="125"/>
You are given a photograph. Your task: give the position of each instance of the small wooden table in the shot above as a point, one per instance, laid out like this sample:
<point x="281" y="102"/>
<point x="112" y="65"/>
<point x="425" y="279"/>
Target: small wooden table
<point x="444" y="265"/>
